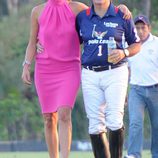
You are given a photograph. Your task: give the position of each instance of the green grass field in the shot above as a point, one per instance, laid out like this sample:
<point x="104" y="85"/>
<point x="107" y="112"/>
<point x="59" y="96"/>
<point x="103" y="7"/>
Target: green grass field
<point x="146" y="154"/>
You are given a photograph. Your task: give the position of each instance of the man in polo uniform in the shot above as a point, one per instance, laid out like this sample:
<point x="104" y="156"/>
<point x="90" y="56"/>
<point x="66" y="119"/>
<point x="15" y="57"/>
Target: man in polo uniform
<point x="143" y="90"/>
<point x="104" y="82"/>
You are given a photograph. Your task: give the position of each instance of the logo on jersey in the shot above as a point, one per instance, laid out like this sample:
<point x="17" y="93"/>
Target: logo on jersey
<point x="98" y="35"/>
<point x="110" y="24"/>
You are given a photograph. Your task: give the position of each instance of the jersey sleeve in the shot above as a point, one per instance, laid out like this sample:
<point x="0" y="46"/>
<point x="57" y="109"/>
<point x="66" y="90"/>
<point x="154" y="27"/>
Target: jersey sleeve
<point x="78" y="24"/>
<point x="131" y="32"/>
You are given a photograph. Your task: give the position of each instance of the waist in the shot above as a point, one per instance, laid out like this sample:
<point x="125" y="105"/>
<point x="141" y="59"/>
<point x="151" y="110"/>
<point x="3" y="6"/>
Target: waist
<point x="103" y="68"/>
<point x="148" y="86"/>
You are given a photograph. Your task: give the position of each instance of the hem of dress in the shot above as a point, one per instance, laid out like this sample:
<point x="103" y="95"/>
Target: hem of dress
<point x="54" y="111"/>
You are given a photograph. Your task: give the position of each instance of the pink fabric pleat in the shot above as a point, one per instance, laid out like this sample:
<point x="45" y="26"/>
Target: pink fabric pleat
<point x="57" y="69"/>
<point x="57" y="32"/>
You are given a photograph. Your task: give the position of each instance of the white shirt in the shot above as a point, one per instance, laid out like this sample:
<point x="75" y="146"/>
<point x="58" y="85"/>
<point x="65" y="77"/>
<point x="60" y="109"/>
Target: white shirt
<point x="144" y="65"/>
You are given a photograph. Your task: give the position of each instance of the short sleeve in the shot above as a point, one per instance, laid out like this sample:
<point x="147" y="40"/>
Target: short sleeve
<point x="131" y="35"/>
<point x="78" y="25"/>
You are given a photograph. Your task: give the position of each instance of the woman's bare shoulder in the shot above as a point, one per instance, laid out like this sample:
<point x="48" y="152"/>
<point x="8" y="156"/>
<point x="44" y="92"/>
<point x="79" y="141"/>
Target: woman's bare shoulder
<point x="36" y="11"/>
<point x="77" y="6"/>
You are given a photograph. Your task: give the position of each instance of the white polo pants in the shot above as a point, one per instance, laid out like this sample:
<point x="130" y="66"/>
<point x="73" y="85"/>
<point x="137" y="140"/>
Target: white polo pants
<point x="104" y="97"/>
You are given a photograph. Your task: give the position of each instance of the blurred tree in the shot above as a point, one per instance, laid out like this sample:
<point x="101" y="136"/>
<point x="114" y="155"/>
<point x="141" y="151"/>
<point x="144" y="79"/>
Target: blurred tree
<point x="79" y="120"/>
<point x="12" y="6"/>
<point x="3" y="8"/>
<point x="146" y="5"/>
<point x="20" y="118"/>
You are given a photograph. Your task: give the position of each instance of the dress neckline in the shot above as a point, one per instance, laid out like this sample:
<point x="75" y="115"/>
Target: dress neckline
<point x="56" y="2"/>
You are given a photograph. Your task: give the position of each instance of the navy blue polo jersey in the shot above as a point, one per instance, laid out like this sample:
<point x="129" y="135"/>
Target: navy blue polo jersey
<point x="94" y="33"/>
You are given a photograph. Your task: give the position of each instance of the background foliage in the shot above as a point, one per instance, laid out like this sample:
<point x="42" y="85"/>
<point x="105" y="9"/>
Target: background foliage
<point x="19" y="108"/>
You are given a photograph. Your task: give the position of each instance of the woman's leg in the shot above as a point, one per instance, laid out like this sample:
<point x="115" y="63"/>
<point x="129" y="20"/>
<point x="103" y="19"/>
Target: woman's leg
<point x="51" y="135"/>
<point x="65" y="131"/>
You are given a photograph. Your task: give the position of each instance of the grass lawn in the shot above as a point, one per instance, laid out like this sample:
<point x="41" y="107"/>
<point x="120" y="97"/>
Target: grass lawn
<point x="146" y="154"/>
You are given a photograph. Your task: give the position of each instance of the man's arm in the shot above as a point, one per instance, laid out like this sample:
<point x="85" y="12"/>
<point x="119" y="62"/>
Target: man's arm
<point x="118" y="54"/>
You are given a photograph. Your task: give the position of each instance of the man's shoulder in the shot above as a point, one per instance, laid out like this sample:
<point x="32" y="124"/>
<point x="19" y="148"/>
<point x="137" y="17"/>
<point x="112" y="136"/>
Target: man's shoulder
<point x="119" y="12"/>
<point x="155" y="37"/>
<point x="83" y="14"/>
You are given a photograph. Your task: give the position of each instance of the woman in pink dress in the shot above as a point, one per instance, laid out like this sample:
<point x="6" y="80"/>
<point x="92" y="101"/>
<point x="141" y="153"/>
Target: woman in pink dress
<point x="57" y="68"/>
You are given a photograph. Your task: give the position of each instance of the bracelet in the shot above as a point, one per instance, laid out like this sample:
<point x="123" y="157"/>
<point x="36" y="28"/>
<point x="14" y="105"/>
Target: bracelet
<point x="26" y="62"/>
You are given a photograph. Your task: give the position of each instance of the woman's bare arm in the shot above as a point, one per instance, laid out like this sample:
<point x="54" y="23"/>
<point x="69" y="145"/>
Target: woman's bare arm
<point x="31" y="48"/>
<point x="77" y="7"/>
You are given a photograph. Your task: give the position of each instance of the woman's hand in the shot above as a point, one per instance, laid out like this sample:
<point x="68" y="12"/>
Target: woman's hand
<point x="126" y="11"/>
<point x="26" y="77"/>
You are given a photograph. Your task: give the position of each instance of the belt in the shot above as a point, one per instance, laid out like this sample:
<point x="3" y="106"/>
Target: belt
<point x="151" y="86"/>
<point x="103" y="68"/>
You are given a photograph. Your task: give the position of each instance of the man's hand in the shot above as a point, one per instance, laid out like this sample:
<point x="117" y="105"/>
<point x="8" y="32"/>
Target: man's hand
<point x="116" y="55"/>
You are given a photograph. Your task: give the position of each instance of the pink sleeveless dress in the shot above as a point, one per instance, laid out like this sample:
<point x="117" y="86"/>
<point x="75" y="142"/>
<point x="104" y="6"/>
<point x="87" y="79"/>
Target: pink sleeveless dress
<point x="57" y="68"/>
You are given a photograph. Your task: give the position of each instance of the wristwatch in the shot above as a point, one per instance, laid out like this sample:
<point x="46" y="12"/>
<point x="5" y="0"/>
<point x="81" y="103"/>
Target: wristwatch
<point x="126" y="52"/>
<point x="26" y="62"/>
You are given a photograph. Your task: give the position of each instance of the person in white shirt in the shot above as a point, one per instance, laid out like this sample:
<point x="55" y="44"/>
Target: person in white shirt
<point x="143" y="94"/>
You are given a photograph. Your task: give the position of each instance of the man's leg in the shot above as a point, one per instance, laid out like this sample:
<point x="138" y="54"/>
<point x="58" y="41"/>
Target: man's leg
<point x="100" y="145"/>
<point x="115" y="94"/>
<point x="152" y="106"/>
<point x="136" y="107"/>
<point x="95" y="108"/>
<point x="116" y="140"/>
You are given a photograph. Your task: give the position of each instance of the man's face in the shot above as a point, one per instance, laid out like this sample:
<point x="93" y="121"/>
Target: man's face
<point x="143" y="30"/>
<point x="99" y="2"/>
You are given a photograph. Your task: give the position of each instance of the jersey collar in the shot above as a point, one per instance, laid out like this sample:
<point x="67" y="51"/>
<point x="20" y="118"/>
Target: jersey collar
<point x="110" y="12"/>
